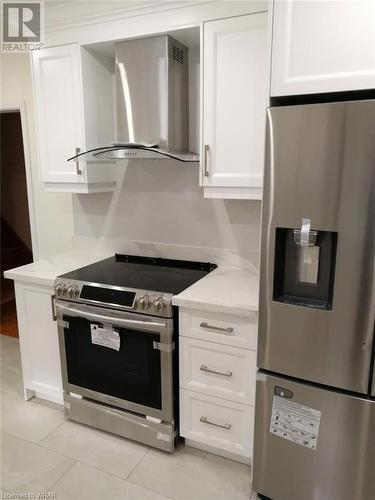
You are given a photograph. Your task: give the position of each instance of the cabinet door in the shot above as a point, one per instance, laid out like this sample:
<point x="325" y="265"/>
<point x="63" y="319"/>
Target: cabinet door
<point x="38" y="342"/>
<point x="58" y="95"/>
<point x="322" y="46"/>
<point x="235" y="100"/>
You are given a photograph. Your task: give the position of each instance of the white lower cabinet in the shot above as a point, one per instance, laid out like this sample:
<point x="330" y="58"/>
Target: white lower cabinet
<point x="220" y="328"/>
<point x="39" y="344"/>
<point x="218" y="423"/>
<point x="218" y="370"/>
<point x="217" y="366"/>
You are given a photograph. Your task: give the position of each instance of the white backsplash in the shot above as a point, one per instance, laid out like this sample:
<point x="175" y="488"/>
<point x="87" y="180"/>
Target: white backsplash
<point x="158" y="209"/>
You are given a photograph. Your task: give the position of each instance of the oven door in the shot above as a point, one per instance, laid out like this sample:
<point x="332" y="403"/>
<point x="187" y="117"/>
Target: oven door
<point x="134" y="372"/>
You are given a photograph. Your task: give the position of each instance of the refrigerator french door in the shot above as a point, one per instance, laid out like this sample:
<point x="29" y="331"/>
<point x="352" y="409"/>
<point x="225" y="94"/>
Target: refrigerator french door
<point x="315" y="405"/>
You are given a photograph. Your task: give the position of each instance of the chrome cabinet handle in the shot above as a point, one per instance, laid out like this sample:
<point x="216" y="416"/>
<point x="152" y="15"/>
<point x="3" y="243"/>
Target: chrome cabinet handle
<point x="78" y="170"/>
<point x="205" y="164"/>
<point x="204" y="368"/>
<point x="205" y="420"/>
<point x="227" y="330"/>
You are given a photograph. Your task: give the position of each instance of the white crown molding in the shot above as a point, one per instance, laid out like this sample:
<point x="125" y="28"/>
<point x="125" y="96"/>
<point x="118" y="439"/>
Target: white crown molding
<point x="117" y="14"/>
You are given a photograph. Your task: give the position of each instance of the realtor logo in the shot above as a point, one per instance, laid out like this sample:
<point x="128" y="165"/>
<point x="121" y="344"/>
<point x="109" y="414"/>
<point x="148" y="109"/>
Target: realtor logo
<point x="22" y="23"/>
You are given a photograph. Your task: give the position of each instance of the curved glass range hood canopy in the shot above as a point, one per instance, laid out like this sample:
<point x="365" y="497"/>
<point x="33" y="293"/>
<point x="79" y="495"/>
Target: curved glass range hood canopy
<point x="132" y="152"/>
<point x="152" y="103"/>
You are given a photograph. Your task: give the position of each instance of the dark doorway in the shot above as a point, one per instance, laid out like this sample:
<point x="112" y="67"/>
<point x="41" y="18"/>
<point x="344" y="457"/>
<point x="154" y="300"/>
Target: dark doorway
<point x="16" y="247"/>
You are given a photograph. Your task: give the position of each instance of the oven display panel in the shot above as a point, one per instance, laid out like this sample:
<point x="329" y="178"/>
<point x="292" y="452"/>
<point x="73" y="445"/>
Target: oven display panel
<point x="108" y="295"/>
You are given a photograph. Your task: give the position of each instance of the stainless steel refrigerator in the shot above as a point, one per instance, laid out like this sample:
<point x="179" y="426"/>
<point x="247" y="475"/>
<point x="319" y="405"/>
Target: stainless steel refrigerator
<point x="315" y="401"/>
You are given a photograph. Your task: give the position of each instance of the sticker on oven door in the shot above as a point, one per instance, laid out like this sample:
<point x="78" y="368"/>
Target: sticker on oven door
<point x="295" y="422"/>
<point x="106" y="337"/>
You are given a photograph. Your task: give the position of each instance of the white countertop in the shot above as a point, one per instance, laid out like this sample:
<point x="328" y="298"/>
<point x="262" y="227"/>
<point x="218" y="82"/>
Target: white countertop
<point x="44" y="272"/>
<point x="225" y="290"/>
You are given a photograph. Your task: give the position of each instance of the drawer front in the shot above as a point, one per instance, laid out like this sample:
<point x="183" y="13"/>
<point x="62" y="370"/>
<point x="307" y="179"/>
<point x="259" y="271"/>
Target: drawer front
<point x="218" y="370"/>
<point x="224" y="425"/>
<point x="220" y="328"/>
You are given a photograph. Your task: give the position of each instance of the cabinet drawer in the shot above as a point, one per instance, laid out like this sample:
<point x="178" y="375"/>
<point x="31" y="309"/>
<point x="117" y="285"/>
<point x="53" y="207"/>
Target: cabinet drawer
<point x="218" y="423"/>
<point x="217" y="370"/>
<point x="220" y="328"/>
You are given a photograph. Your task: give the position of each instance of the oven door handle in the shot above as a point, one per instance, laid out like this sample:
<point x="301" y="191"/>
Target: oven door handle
<point x="101" y="318"/>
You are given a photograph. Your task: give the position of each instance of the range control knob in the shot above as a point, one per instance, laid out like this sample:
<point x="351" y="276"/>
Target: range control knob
<point x="144" y="302"/>
<point x="60" y="289"/>
<point x="159" y="304"/>
<point x="73" y="292"/>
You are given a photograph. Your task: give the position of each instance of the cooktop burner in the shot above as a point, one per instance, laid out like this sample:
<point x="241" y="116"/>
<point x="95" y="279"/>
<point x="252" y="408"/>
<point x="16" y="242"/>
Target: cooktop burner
<point x="146" y="273"/>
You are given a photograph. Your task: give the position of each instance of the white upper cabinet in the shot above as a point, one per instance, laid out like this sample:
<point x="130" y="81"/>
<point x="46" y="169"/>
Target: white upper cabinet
<point x="60" y="96"/>
<point x="235" y="97"/>
<point x="322" y="46"/>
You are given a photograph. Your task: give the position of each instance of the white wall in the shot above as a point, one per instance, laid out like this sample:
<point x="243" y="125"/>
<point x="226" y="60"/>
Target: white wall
<point x="52" y="211"/>
<point x="160" y="201"/>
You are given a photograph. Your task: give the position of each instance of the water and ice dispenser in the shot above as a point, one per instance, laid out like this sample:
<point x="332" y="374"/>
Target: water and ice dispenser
<point x="304" y="266"/>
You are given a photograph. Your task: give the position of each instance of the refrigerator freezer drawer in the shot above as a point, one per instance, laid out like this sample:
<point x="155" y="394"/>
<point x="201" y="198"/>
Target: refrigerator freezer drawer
<point x="335" y="461"/>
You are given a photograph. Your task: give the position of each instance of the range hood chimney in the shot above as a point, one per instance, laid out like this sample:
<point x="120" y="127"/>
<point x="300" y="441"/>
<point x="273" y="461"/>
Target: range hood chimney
<point x="152" y="102"/>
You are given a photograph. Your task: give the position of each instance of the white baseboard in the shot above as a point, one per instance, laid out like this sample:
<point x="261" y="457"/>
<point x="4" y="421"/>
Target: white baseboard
<point x="48" y="392"/>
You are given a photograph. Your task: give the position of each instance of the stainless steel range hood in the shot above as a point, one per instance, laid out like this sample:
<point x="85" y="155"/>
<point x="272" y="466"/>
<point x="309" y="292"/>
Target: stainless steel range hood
<point x="152" y="102"/>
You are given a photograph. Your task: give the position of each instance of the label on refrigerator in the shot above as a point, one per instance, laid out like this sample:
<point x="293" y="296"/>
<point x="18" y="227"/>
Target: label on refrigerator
<point x="295" y="422"/>
<point x="106" y="337"/>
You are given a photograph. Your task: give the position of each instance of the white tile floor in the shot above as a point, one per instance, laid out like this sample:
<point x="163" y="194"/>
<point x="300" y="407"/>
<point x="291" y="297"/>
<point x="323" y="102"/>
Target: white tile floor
<point x="42" y="451"/>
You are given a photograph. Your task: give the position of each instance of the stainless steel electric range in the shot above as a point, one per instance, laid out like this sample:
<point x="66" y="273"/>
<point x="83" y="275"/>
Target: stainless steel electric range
<point x="118" y="344"/>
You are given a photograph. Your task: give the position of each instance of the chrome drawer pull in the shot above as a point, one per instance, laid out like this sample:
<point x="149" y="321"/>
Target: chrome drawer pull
<point x="205" y="165"/>
<point x="204" y="368"/>
<point x="205" y="420"/>
<point x="227" y="330"/>
<point x="78" y="169"/>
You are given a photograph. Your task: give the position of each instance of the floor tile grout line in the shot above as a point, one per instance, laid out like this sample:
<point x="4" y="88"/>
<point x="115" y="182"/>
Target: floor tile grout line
<point x="53" y="430"/>
<point x="149" y="489"/>
<point x="37" y="442"/>
<point x="19" y="437"/>
<point x="63" y="474"/>
<point x="32" y="442"/>
<point x="136" y="465"/>
<point x="124" y="479"/>
<point x="104" y="471"/>
<point x="83" y="461"/>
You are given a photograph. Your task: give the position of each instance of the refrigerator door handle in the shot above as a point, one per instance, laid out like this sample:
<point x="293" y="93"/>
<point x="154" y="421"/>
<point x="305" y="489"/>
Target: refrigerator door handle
<point x="369" y="330"/>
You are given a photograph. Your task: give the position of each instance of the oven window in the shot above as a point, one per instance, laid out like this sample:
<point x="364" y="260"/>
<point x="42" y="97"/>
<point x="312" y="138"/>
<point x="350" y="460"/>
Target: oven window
<point x="133" y="373"/>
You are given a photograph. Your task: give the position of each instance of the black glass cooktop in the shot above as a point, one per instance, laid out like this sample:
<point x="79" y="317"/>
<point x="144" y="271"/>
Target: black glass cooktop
<point x="145" y="273"/>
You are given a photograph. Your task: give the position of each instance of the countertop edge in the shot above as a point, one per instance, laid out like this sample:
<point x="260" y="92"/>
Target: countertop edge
<point x="235" y="310"/>
<point x="28" y="278"/>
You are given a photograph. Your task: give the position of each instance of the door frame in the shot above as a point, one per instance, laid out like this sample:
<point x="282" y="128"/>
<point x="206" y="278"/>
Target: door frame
<point x="20" y="107"/>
